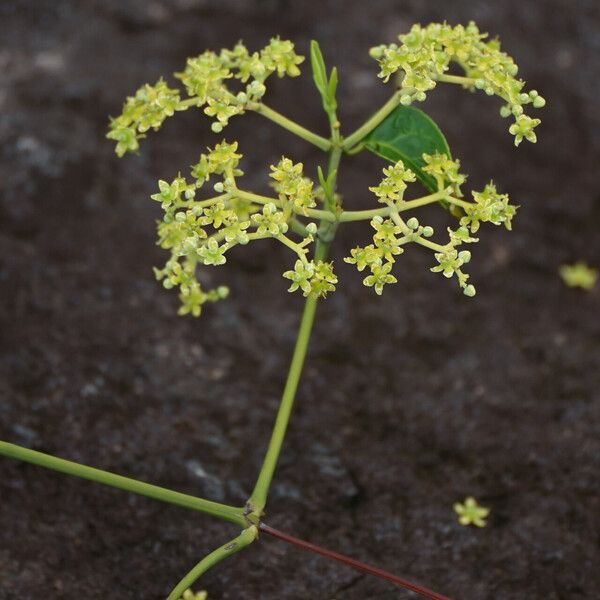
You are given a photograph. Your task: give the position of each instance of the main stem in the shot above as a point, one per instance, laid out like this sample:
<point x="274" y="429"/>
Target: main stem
<point x="258" y="498"/>
<point x="222" y="511"/>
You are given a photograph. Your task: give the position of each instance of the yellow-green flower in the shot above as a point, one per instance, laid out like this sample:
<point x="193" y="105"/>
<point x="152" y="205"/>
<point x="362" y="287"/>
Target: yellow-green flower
<point x="470" y="513"/>
<point x="579" y="275"/>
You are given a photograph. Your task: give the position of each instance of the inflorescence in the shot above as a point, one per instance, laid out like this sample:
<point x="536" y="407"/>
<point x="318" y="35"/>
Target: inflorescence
<point x="201" y="231"/>
<point x="204" y="78"/>
<point x="393" y="232"/>
<point x="423" y="58"/>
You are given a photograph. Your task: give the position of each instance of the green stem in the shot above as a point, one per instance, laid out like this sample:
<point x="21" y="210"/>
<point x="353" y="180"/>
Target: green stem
<point x="257" y="198"/>
<point x="297" y="248"/>
<point x="298" y="227"/>
<point x="305" y="134"/>
<point x="364" y="215"/>
<point x="422" y="201"/>
<point x="241" y="541"/>
<point x="332" y="167"/>
<point x="372" y="122"/>
<point x="431" y="245"/>
<point x="458" y="201"/>
<point x="461" y="80"/>
<point x="324" y="215"/>
<point x="258" y="498"/>
<point x="222" y="511"/>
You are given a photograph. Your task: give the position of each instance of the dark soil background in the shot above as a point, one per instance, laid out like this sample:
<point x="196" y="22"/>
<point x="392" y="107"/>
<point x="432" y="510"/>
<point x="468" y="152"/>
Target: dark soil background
<point x="409" y="402"/>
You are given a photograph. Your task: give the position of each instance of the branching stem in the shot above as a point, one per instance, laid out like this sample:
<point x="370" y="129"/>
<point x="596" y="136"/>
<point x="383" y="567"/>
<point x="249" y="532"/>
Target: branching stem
<point x="222" y="511"/>
<point x="258" y="498"/>
<point x="241" y="541"/>
<point x="365" y="215"/>
<point x="319" y="141"/>
<point x="370" y="124"/>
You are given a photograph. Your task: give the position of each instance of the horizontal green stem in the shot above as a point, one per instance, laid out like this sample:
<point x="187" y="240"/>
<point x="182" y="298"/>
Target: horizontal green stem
<point x="430" y="245"/>
<point x="314" y="213"/>
<point x="458" y="201"/>
<point x="222" y="511"/>
<point x="461" y="80"/>
<point x="257" y="198"/>
<point x="364" y="215"/>
<point x="422" y="201"/>
<point x="295" y="128"/>
<point x="189" y="102"/>
<point x="241" y="541"/>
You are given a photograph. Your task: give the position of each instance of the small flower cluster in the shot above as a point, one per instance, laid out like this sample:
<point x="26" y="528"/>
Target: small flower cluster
<point x="200" y="232"/>
<point x="488" y="207"/>
<point x="392" y="186"/>
<point x="424" y="55"/>
<point x="392" y="233"/>
<point x="290" y="183"/>
<point x="147" y="109"/>
<point x="204" y="79"/>
<point x="315" y="278"/>
<point x="446" y="172"/>
<point x="450" y="262"/>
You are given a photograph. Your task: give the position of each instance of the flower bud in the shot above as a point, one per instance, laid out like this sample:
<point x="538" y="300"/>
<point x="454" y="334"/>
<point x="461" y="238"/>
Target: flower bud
<point x="413" y="222"/>
<point x="505" y="111"/>
<point x="217" y="127"/>
<point x="464" y="256"/>
<point x="376" y="52"/>
<point x="539" y="102"/>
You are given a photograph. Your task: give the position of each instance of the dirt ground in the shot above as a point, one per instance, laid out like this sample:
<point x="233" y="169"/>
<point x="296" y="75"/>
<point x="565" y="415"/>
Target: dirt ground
<point x="409" y="403"/>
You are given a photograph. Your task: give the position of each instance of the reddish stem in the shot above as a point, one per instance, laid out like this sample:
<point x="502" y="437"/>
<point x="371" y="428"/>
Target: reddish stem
<point x="351" y="562"/>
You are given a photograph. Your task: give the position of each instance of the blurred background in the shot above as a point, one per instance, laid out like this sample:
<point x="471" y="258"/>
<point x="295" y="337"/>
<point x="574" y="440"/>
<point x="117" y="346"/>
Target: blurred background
<point x="409" y="403"/>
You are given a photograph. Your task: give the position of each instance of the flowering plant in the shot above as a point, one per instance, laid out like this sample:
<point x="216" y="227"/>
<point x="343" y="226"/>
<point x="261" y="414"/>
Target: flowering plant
<point x="209" y="211"/>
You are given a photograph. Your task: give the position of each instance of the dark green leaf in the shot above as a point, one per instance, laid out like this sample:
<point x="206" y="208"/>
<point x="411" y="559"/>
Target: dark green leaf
<point x="406" y="134"/>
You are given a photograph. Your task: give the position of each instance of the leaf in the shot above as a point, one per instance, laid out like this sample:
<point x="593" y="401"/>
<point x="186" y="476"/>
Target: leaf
<point x="331" y="91"/>
<point x="318" y="67"/>
<point x="406" y="134"/>
<point x="321" y="177"/>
